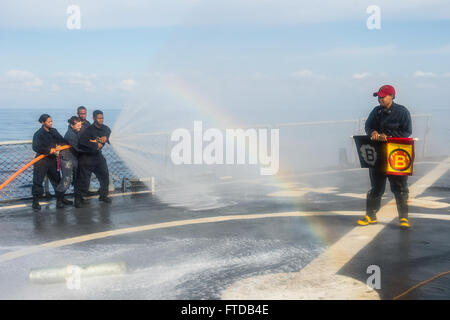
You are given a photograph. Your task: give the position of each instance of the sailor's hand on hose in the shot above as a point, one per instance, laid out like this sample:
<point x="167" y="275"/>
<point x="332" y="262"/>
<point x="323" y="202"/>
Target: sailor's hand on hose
<point x="103" y="139"/>
<point x="52" y="150"/>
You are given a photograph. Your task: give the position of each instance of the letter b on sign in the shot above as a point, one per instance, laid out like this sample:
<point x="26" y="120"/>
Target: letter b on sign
<point x="369" y="154"/>
<point x="400" y="162"/>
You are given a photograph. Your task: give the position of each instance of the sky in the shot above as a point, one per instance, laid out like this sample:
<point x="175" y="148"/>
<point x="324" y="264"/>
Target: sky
<point x="280" y="56"/>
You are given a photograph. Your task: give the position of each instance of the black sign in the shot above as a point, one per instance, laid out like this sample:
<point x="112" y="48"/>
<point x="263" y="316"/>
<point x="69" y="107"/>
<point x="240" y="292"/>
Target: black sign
<point x="372" y="154"/>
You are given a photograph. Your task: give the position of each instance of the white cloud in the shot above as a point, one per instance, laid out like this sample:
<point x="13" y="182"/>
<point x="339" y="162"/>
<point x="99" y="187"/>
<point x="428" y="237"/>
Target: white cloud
<point x="20" y="80"/>
<point x="77" y="80"/>
<point x="359" y="76"/>
<point x="421" y="74"/>
<point x="302" y="74"/>
<point x="128" y="85"/>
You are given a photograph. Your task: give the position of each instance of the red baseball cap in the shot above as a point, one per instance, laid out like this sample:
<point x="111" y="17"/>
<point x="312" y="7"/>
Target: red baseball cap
<point x="384" y="91"/>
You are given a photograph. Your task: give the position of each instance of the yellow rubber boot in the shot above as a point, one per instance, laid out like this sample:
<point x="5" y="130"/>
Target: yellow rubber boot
<point x="404" y="223"/>
<point x="366" y="221"/>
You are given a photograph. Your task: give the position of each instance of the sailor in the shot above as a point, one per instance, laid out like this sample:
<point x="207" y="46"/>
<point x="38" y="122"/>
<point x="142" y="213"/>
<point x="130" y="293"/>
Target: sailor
<point x="388" y="119"/>
<point x="45" y="141"/>
<point x="68" y="161"/>
<point x="91" y="160"/>
<point x="82" y="114"/>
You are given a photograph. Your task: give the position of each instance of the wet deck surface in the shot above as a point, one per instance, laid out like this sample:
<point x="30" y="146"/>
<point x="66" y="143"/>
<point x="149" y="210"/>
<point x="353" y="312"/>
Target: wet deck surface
<point x="194" y="259"/>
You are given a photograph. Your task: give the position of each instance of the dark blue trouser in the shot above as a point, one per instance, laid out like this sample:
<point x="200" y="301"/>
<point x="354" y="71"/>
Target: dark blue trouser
<point x="88" y="164"/>
<point x="42" y="168"/>
<point x="399" y="187"/>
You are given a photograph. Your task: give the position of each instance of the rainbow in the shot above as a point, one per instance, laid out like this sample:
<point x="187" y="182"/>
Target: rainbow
<point x="185" y="95"/>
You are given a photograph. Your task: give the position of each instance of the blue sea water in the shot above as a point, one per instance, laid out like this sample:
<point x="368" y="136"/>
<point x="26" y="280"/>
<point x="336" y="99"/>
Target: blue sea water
<point x="21" y="124"/>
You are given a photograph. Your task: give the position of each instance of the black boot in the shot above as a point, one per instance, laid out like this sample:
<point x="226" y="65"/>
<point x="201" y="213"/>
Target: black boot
<point x="401" y="199"/>
<point x="59" y="200"/>
<point x="67" y="202"/>
<point x="372" y="205"/>
<point x="78" y="201"/>
<point x="105" y="199"/>
<point x="84" y="201"/>
<point x="36" y="204"/>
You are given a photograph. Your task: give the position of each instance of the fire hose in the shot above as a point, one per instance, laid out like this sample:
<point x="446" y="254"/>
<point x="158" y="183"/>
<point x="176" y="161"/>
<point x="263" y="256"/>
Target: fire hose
<point x="29" y="164"/>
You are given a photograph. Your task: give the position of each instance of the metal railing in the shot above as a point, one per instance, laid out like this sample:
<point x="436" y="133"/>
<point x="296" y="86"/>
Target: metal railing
<point x="15" y="154"/>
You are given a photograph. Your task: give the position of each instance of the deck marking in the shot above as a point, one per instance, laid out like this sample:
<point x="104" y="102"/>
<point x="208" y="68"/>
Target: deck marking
<point x="319" y="279"/>
<point x="100" y="235"/>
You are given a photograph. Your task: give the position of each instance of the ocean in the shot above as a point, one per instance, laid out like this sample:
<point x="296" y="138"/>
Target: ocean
<point x="21" y="124"/>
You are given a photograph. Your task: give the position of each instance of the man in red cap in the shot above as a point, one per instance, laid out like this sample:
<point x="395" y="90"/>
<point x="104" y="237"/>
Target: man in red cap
<point x="387" y="120"/>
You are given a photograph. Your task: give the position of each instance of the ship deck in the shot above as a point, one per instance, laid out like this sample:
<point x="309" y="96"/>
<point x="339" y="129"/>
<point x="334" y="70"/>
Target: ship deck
<point x="261" y="238"/>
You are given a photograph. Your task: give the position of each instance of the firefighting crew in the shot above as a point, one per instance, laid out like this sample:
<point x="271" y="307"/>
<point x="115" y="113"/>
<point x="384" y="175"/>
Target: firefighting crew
<point x="388" y="119"/>
<point x="76" y="163"/>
